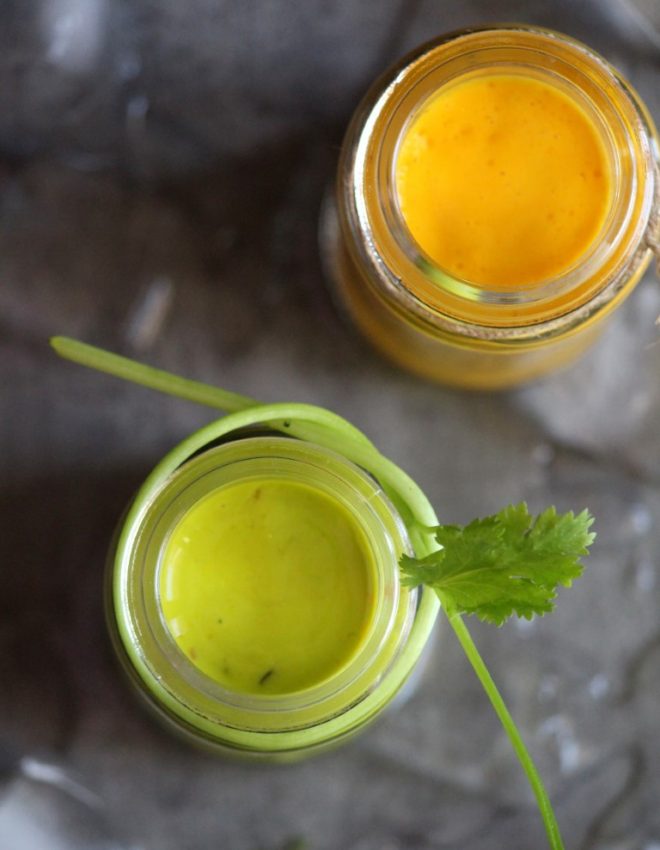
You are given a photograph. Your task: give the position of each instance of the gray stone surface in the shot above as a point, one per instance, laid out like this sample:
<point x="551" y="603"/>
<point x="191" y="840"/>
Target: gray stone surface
<point x="162" y="168"/>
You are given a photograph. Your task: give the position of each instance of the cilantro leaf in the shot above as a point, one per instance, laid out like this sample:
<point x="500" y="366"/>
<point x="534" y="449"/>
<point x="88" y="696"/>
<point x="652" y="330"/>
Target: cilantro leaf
<point x="508" y="563"/>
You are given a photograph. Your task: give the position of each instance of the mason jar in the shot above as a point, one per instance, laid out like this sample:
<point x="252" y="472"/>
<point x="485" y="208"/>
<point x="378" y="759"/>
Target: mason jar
<point x="428" y="319"/>
<point x="279" y="726"/>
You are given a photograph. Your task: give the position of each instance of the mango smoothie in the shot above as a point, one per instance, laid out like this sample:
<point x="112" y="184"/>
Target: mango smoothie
<point x="496" y="200"/>
<point x="503" y="180"/>
<point x="266" y="586"/>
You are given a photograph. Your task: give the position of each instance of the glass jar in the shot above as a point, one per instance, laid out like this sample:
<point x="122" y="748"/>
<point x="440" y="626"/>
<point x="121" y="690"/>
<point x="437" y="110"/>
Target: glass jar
<point x="451" y="330"/>
<point x="271" y="726"/>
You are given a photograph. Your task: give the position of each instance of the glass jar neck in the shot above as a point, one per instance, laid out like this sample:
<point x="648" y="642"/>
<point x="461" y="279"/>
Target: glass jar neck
<point x="408" y="277"/>
<point x="159" y="661"/>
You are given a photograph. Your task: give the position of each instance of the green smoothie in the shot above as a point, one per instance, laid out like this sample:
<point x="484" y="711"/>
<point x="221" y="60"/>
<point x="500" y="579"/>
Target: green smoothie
<point x="267" y="586"/>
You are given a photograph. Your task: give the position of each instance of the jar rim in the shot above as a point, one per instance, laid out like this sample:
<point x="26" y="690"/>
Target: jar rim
<point x="153" y="650"/>
<point x="436" y="298"/>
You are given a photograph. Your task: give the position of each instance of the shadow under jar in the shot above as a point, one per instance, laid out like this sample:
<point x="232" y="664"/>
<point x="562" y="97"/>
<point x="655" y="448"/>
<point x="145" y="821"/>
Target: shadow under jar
<point x="254" y="596"/>
<point x="492" y="123"/>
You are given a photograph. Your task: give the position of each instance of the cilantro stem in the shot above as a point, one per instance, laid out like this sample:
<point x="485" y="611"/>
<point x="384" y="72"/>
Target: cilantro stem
<point x="479" y="667"/>
<point x="148" y="376"/>
<point x="304" y="421"/>
<point x="189" y="390"/>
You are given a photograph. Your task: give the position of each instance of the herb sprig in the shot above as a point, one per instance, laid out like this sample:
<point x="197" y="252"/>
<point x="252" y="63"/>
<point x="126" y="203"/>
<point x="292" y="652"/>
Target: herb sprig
<point x="509" y="563"/>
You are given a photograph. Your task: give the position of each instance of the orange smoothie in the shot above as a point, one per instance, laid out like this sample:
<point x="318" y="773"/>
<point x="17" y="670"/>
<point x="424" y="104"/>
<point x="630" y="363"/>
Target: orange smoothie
<point x="503" y="181"/>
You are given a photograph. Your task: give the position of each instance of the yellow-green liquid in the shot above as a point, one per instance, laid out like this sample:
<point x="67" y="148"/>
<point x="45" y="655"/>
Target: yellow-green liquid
<point x="267" y="586"/>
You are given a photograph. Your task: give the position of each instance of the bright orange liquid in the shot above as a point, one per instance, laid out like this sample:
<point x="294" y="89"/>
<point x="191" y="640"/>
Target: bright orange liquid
<point x="503" y="181"/>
